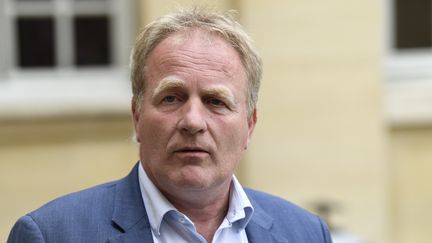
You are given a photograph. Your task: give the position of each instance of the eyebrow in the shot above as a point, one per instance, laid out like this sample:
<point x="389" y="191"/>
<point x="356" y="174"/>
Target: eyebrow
<point x="216" y="90"/>
<point x="167" y="84"/>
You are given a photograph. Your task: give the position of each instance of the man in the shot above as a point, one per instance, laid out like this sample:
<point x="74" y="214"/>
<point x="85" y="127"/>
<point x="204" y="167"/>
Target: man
<point x="195" y="78"/>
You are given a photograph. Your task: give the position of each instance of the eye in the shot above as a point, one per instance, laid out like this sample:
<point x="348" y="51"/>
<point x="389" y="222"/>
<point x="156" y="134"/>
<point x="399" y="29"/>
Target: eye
<point x="216" y="102"/>
<point x="169" y="99"/>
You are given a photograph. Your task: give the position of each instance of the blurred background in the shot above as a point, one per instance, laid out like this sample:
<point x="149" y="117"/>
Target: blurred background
<point x="345" y="109"/>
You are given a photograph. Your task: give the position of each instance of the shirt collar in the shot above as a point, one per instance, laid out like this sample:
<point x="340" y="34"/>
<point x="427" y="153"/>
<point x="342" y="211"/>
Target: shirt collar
<point x="239" y="212"/>
<point x="240" y="208"/>
<point x="155" y="203"/>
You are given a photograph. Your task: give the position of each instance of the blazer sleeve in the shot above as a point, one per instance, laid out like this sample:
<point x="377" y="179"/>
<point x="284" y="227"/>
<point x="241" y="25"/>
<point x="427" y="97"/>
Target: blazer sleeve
<point x="25" y="230"/>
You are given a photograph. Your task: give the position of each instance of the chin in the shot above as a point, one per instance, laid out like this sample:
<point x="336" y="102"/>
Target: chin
<point x="192" y="183"/>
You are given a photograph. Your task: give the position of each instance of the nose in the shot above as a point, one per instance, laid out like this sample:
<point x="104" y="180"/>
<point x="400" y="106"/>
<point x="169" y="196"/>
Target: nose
<point x="193" y="118"/>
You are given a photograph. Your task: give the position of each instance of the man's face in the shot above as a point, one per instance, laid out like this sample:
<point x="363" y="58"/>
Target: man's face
<point x="192" y="124"/>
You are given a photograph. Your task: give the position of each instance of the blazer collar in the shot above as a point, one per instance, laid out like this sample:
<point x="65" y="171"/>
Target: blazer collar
<point x="260" y="226"/>
<point x="129" y="211"/>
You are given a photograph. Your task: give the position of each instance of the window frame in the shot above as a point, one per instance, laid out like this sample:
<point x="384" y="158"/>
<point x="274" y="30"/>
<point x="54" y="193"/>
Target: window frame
<point x="408" y="76"/>
<point x="66" y="89"/>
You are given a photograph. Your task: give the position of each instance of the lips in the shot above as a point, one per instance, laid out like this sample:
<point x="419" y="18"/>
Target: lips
<point x="191" y="150"/>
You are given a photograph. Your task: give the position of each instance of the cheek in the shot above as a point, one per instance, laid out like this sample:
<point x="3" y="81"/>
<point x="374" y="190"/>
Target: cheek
<point x="235" y="136"/>
<point x="154" y="130"/>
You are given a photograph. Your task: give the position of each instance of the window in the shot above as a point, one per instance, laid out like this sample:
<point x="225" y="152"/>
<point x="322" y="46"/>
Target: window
<point x="92" y="43"/>
<point x="73" y="53"/>
<point x="413" y="24"/>
<point x="35" y="44"/>
<point x="408" y="66"/>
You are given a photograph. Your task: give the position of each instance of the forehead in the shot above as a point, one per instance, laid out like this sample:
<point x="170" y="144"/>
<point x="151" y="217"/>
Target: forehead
<point x="197" y="52"/>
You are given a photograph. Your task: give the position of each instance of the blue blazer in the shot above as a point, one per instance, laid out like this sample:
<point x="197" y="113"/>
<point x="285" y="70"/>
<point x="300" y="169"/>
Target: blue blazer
<point x="114" y="212"/>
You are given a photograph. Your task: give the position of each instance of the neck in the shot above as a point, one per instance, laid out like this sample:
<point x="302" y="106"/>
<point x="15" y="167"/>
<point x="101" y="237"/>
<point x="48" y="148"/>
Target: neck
<point x="206" y="210"/>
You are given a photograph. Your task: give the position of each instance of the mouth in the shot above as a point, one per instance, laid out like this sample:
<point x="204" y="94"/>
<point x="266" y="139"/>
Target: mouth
<point x="192" y="151"/>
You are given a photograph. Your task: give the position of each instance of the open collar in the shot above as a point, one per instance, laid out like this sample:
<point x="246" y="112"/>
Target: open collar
<point x="240" y="209"/>
<point x="130" y="216"/>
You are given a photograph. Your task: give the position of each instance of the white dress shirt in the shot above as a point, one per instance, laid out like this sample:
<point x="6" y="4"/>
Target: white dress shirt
<point x="169" y="225"/>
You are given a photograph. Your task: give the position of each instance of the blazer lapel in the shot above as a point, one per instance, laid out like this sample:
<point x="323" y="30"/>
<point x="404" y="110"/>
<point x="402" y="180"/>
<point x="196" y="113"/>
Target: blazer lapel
<point x="257" y="234"/>
<point x="129" y="212"/>
<point x="259" y="228"/>
<point x="140" y="232"/>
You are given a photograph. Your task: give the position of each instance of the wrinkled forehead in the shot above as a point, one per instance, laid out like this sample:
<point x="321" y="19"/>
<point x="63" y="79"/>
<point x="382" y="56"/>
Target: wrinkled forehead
<point x="203" y="45"/>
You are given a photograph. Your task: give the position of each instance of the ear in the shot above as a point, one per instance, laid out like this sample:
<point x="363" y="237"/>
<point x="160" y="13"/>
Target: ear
<point x="135" y="117"/>
<point x="251" y="126"/>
